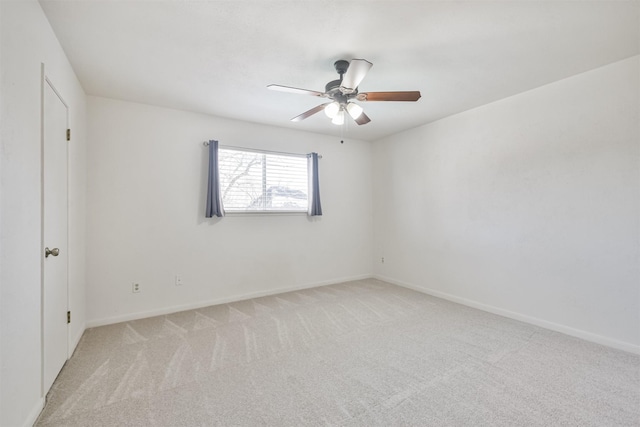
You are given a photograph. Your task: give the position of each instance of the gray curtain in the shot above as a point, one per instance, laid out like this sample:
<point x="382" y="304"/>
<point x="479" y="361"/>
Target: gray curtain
<point x="315" y="208"/>
<point x="214" y="199"/>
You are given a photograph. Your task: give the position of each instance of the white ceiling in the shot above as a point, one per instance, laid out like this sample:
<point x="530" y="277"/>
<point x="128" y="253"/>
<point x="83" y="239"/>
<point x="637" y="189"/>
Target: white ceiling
<point x="217" y="57"/>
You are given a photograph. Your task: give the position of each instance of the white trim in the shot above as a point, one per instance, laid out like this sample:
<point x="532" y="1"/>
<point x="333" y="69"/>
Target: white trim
<point x="568" y="330"/>
<point x="35" y="413"/>
<point x="256" y="212"/>
<point x="43" y="81"/>
<point x="260" y="151"/>
<point x="46" y="79"/>
<point x="73" y="343"/>
<point x="225" y="300"/>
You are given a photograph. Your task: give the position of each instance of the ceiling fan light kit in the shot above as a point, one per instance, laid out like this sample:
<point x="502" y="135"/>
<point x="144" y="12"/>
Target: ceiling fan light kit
<point x="338" y="119"/>
<point x="344" y="91"/>
<point x="332" y="109"/>
<point x="354" y="110"/>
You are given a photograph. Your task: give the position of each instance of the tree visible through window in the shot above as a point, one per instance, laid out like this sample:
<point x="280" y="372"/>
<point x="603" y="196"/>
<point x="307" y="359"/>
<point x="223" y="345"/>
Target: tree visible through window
<point x="253" y="181"/>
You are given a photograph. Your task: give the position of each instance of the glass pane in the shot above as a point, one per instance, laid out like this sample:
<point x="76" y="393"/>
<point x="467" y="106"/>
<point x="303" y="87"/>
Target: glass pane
<point x="251" y="181"/>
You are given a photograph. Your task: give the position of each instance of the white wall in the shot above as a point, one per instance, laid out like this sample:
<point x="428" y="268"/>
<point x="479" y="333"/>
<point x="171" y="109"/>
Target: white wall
<point x="27" y="41"/>
<point x="147" y="174"/>
<point x="528" y="206"/>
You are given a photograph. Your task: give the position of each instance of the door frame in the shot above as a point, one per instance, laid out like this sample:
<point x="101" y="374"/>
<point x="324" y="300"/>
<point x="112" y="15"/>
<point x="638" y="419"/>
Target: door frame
<point x="44" y="81"/>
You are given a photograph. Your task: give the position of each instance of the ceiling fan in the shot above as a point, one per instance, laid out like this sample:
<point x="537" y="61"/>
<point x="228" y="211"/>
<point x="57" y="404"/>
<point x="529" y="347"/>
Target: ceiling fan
<point x="344" y="91"/>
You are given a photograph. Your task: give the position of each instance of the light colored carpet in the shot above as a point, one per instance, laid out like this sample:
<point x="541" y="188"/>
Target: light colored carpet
<point x="363" y="353"/>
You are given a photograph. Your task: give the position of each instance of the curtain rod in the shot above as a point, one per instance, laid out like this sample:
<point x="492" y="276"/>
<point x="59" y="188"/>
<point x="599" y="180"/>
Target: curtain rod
<point x="206" y="143"/>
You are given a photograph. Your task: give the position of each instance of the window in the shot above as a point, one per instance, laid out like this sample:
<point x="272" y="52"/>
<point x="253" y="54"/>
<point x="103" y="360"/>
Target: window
<point x="256" y="181"/>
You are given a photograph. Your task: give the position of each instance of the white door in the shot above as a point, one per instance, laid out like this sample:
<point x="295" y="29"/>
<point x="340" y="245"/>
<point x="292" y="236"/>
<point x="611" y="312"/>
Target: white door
<point x="54" y="283"/>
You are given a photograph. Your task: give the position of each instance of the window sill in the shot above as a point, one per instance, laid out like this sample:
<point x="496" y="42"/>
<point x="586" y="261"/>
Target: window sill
<point x="266" y="213"/>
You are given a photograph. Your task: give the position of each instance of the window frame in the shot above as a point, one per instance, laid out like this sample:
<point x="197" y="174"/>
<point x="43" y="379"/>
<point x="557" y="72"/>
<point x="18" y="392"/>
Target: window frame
<point x="283" y="212"/>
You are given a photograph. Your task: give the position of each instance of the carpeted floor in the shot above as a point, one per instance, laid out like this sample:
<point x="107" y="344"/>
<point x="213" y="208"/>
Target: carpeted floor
<point x="363" y="353"/>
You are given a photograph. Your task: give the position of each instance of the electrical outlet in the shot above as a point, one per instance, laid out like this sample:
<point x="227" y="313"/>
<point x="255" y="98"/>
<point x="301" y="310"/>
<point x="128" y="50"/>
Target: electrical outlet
<point x="135" y="288"/>
<point x="179" y="280"/>
<point x="382" y="260"/>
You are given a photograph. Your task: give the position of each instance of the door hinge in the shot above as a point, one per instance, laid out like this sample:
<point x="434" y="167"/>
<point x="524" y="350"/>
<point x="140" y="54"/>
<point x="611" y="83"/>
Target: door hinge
<point x="68" y="134"/>
<point x="68" y="317"/>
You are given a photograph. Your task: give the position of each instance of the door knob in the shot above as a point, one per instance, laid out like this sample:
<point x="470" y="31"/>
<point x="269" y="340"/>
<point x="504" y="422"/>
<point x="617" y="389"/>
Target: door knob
<point x="53" y="252"/>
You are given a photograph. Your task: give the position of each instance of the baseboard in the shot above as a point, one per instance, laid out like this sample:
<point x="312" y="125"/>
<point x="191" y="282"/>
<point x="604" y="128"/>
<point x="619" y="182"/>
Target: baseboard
<point x="75" y="340"/>
<point x="568" y="330"/>
<point x="225" y="300"/>
<point x="35" y="413"/>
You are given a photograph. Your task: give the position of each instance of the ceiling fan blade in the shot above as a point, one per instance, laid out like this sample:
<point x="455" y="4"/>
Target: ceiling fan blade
<point x="363" y="119"/>
<point x="310" y="113"/>
<point x="295" y="90"/>
<point x="358" y="68"/>
<point x="389" y="96"/>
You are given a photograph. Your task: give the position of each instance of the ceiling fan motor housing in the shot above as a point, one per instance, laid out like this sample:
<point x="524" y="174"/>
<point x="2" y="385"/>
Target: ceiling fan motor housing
<point x="332" y="89"/>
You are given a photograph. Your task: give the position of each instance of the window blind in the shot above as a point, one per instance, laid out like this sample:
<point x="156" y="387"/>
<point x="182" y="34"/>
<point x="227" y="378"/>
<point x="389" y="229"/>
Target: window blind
<point x="255" y="181"/>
